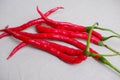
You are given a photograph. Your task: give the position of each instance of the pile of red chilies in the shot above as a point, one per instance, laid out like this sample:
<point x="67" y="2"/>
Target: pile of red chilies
<point x="62" y="31"/>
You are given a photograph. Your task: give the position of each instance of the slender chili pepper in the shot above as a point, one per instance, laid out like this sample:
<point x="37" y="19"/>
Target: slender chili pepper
<point x="58" y="37"/>
<point x="18" y="47"/>
<point x="68" y="34"/>
<point x="61" y="38"/>
<point x="75" y="35"/>
<point x="75" y="27"/>
<point x="64" y="49"/>
<point x="72" y="34"/>
<point x="41" y="44"/>
<point x="3" y="35"/>
<point x="31" y="22"/>
<point x="55" y="37"/>
<point x="36" y="21"/>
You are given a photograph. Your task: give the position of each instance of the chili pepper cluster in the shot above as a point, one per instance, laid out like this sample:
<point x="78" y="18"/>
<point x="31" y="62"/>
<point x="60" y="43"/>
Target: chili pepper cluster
<point x="64" y="32"/>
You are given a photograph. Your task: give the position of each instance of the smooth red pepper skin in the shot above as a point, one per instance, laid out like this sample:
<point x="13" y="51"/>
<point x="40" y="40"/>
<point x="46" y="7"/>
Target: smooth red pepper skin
<point x="36" y="21"/>
<point x="52" y="36"/>
<point x="72" y="34"/>
<point x="31" y="22"/>
<point x="18" y="47"/>
<point x="64" y="49"/>
<point x="42" y="44"/>
<point x="3" y="34"/>
<point x="67" y="50"/>
<point x="67" y="25"/>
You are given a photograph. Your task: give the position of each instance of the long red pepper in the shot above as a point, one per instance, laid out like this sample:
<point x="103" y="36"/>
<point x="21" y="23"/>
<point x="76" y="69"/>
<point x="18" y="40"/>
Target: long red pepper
<point x="76" y="28"/>
<point x="61" y="38"/>
<point x="31" y="22"/>
<point x="18" y="47"/>
<point x="42" y="44"/>
<point x="64" y="49"/>
<point x="37" y="43"/>
<point x="17" y="36"/>
<point x="72" y="34"/>
<point x="68" y="26"/>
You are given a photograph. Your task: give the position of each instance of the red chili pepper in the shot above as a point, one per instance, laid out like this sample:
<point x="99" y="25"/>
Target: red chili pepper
<point x="31" y="22"/>
<point x="61" y="38"/>
<point x="67" y="25"/>
<point x="64" y="49"/>
<point x="42" y="44"/>
<point x="82" y="35"/>
<point x="18" y="47"/>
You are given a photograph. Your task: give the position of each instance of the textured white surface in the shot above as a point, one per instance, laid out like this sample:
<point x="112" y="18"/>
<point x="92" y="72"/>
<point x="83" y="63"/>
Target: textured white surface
<point x="33" y="64"/>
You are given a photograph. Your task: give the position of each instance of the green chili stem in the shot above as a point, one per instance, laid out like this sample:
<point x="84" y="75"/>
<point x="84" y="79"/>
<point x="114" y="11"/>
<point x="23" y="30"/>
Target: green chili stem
<point x="102" y="59"/>
<point x="112" y="66"/>
<point x="113" y="50"/>
<point x="89" y="36"/>
<point x="108" y="55"/>
<point x="106" y="38"/>
<point x="105" y="29"/>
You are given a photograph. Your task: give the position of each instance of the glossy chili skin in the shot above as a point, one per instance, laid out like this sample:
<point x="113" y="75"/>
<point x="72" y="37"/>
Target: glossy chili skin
<point x="42" y="44"/>
<point x="31" y="22"/>
<point x="62" y="48"/>
<point x="67" y="50"/>
<point x="18" y="47"/>
<point x="71" y="34"/>
<point x="59" y="37"/>
<point x="67" y="25"/>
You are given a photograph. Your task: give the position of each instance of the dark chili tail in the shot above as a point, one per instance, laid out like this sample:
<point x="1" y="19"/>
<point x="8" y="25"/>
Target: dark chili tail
<point x="4" y="32"/>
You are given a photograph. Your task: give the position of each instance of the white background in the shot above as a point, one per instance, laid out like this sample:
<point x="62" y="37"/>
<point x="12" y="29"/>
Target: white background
<point x="32" y="64"/>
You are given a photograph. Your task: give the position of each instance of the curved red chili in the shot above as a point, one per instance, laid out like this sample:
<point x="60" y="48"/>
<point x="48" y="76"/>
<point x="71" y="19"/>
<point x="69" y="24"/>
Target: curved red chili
<point x="67" y="25"/>
<point x="42" y="44"/>
<point x="36" y="21"/>
<point x="64" y="49"/>
<point x="52" y="36"/>
<point x="18" y="47"/>
<point x="31" y="22"/>
<point x="82" y="35"/>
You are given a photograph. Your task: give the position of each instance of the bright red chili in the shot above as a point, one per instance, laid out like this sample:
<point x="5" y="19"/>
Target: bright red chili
<point x="32" y="22"/>
<point x="82" y="35"/>
<point x="61" y="38"/>
<point x="67" y="25"/>
<point x="64" y="49"/>
<point x="42" y="44"/>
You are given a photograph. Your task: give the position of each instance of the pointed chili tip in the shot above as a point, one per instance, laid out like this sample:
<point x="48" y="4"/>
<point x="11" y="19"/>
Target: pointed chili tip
<point x="8" y="57"/>
<point x="4" y="29"/>
<point x="38" y="10"/>
<point x="60" y="7"/>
